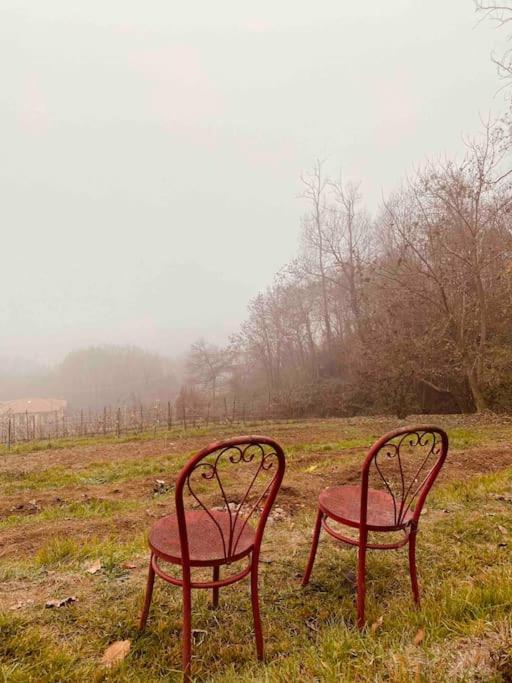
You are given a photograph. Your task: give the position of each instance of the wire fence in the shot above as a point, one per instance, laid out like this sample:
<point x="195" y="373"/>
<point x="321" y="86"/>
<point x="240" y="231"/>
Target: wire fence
<point x="124" y="420"/>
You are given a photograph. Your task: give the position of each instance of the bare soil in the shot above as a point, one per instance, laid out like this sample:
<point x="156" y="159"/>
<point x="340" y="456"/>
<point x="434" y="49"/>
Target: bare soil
<point x="299" y="490"/>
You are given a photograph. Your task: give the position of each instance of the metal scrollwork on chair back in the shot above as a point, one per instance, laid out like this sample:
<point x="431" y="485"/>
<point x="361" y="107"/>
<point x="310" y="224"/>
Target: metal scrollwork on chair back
<point x="240" y="478"/>
<point x="405" y="464"/>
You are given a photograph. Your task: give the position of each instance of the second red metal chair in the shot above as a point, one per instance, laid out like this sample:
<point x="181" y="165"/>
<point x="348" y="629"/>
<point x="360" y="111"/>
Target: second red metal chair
<point x="403" y="465"/>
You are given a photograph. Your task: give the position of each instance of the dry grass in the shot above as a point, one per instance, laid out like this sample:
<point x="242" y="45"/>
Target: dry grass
<point x="57" y="519"/>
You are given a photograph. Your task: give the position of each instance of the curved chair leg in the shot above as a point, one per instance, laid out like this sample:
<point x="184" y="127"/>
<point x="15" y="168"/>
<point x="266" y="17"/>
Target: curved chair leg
<point x="412" y="567"/>
<point x="149" y="595"/>
<point x="361" y="578"/>
<point x="314" y="546"/>
<point x="187" y="630"/>
<point x="215" y="591"/>
<point x="256" y="609"/>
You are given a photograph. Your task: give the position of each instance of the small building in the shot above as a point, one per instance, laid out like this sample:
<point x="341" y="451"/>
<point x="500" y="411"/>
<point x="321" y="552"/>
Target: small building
<point x="33" y="406"/>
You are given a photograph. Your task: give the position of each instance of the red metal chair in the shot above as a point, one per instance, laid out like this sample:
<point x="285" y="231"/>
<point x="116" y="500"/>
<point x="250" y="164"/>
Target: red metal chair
<point x="213" y="536"/>
<point x="404" y="464"/>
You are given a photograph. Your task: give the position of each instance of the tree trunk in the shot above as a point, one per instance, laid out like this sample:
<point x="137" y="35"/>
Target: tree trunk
<point x="476" y="392"/>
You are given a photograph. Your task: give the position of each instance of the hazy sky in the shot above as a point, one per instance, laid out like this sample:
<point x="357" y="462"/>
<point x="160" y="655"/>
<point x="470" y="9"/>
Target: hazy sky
<point x="151" y="151"/>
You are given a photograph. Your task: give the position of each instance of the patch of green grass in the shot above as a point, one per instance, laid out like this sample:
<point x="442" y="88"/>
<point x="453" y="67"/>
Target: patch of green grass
<point x="363" y="443"/>
<point x="94" y="473"/>
<point x="70" y="551"/>
<point x="465" y="577"/>
<point x="474" y="491"/>
<point x="89" y="509"/>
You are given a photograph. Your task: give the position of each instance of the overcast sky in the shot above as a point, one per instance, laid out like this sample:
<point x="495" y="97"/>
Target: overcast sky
<point x="151" y="151"/>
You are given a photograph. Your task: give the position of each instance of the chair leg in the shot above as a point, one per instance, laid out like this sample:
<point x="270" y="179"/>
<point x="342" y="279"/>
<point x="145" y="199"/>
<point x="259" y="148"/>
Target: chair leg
<point x="149" y="595"/>
<point x="412" y="568"/>
<point x="314" y="546"/>
<point x="187" y="631"/>
<point x="361" y="578"/>
<point x="256" y="608"/>
<point x="215" y="591"/>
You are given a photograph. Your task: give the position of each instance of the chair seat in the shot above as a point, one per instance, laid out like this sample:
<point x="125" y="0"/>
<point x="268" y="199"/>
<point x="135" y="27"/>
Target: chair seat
<point x="208" y="540"/>
<point x="343" y="504"/>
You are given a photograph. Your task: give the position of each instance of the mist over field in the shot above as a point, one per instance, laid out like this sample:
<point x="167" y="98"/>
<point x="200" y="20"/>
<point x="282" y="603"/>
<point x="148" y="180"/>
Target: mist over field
<point x="155" y="180"/>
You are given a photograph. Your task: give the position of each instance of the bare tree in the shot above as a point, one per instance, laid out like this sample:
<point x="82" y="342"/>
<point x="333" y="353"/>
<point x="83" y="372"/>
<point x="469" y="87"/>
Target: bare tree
<point x="347" y="240"/>
<point x="315" y="185"/>
<point x="206" y="365"/>
<point x="449" y="229"/>
<point x="500" y="14"/>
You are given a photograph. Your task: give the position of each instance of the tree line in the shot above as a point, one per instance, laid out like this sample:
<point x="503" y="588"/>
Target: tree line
<point x="409" y="311"/>
<point x="98" y="376"/>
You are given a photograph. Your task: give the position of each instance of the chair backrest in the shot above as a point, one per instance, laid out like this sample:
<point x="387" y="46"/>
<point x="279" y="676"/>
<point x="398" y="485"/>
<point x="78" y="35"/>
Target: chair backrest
<point x="239" y="476"/>
<point x="405" y="464"/>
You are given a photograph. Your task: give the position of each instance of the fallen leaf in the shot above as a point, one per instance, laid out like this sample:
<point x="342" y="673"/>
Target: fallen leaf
<point x="420" y="635"/>
<point x="198" y="634"/>
<point x="128" y="565"/>
<point x="312" y="624"/>
<point x="311" y="468"/>
<point x="377" y="624"/>
<point x="116" y="652"/>
<point x="160" y="486"/>
<point x="60" y="603"/>
<point x="94" y="567"/>
<point x="502" y="530"/>
<point x="350" y="577"/>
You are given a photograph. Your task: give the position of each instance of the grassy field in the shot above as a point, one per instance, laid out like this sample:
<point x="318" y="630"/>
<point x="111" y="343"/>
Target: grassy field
<point x="65" y="507"/>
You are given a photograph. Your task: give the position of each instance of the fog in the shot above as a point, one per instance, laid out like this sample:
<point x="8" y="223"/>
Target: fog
<point x="151" y="152"/>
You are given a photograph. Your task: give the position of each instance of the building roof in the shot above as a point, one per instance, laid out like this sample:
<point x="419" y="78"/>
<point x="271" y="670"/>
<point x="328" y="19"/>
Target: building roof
<point x="32" y="405"/>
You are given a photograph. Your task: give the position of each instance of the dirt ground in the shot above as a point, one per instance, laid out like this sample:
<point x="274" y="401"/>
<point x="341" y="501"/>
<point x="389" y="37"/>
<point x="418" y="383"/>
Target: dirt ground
<point x="310" y="472"/>
<point x="65" y="510"/>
